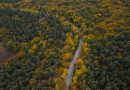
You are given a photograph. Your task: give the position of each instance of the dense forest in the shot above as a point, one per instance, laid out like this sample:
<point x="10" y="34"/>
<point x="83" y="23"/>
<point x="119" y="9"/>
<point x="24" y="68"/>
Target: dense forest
<point x="39" y="38"/>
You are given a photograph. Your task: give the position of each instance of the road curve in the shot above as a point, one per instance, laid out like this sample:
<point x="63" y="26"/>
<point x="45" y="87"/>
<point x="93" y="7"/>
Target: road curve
<point x="71" y="68"/>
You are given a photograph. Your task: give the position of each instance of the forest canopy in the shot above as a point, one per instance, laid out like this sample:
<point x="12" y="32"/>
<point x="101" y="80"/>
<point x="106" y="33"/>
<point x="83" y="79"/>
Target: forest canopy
<point x="39" y="38"/>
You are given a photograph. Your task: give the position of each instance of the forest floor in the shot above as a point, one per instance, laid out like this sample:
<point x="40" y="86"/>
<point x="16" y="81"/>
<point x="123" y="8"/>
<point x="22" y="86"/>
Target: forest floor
<point x="4" y="54"/>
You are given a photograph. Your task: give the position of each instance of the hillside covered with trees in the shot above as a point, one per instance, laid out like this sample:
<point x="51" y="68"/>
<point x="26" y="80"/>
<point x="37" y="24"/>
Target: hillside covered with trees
<point x="39" y="38"/>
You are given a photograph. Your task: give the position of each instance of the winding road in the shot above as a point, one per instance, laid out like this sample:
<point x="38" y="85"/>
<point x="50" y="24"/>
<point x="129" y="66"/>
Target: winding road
<point x="71" y="68"/>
